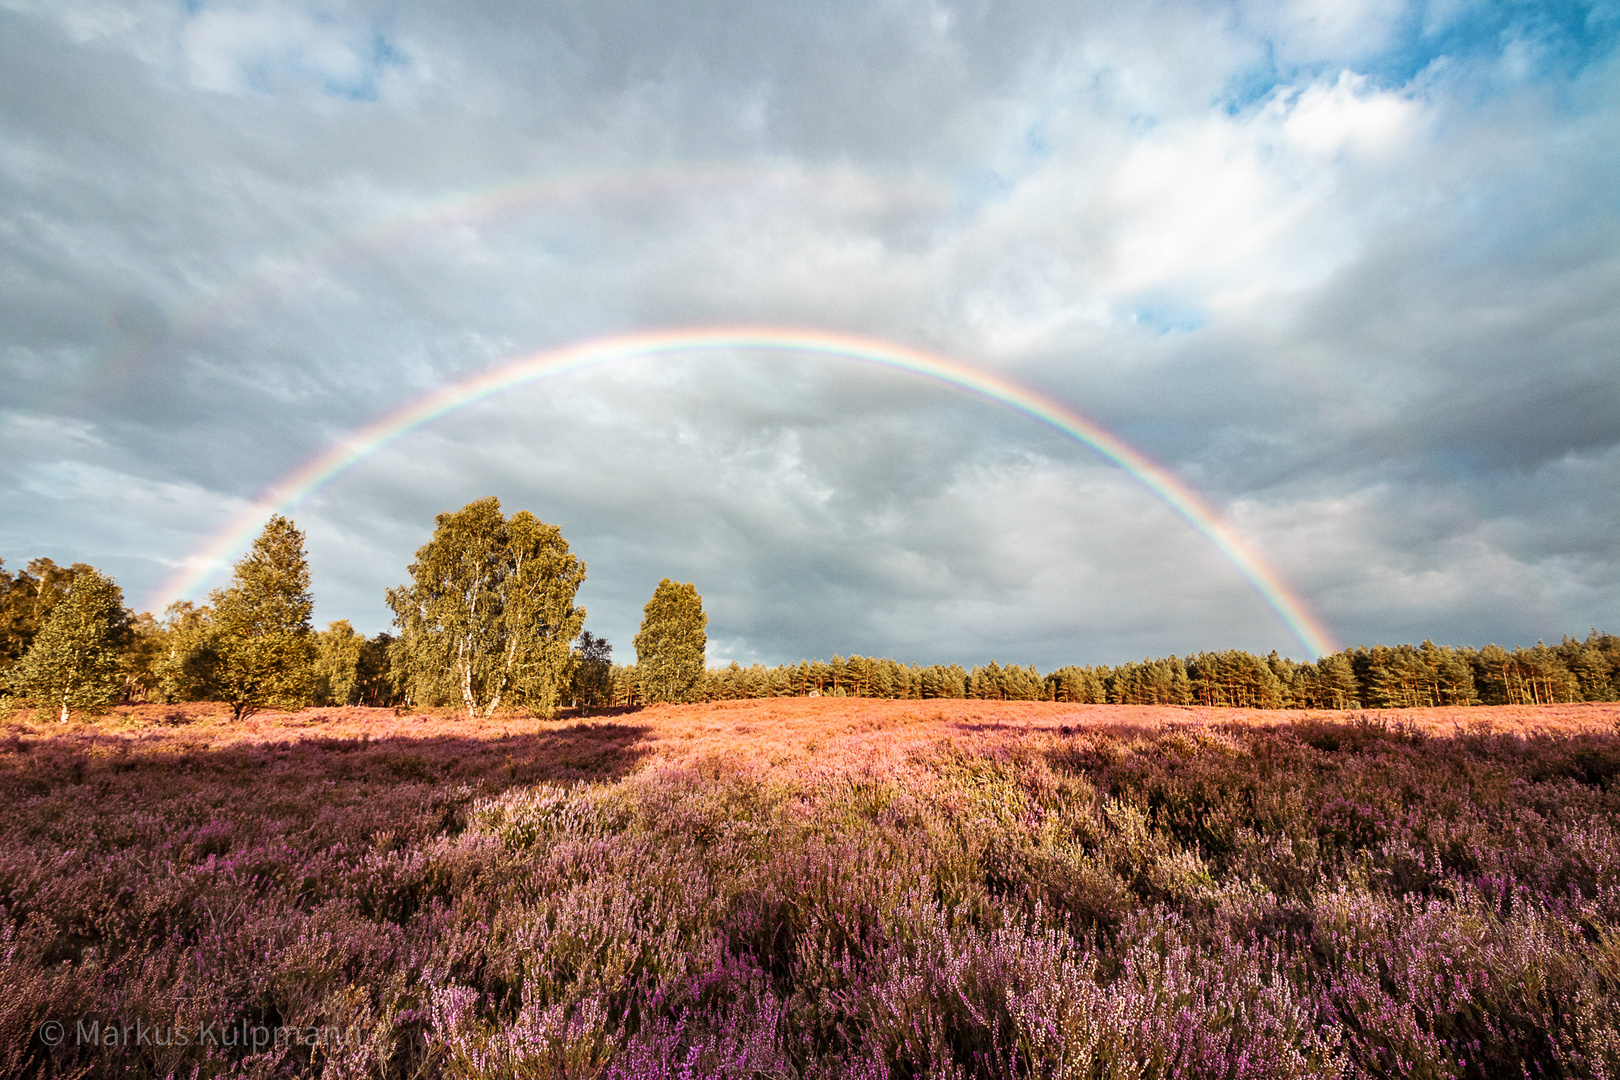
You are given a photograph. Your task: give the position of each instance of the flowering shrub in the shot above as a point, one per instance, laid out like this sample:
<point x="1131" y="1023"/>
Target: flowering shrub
<point x="1319" y="898"/>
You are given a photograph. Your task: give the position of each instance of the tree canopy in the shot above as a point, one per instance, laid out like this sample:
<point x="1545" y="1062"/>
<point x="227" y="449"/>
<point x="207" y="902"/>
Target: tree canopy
<point x="671" y="645"/>
<point x="489" y="613"/>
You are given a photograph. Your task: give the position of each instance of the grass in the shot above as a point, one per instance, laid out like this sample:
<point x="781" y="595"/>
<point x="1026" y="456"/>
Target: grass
<point x="817" y="888"/>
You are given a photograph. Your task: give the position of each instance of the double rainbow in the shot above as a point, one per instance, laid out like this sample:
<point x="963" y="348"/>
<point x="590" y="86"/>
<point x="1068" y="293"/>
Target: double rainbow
<point x="323" y="468"/>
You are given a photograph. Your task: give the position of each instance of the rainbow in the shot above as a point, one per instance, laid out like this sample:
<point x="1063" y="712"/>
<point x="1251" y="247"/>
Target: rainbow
<point x="238" y="533"/>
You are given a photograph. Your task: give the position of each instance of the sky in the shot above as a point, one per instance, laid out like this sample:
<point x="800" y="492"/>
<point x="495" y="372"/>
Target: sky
<point x="1348" y="271"/>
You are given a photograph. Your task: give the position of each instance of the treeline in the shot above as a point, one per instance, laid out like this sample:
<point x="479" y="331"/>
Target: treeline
<point x="176" y="657"/>
<point x="66" y="641"/>
<point x="486" y="621"/>
<point x="1380" y="677"/>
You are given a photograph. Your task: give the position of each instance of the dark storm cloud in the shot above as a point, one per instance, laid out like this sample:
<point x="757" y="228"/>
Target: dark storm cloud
<point x="1350" y="269"/>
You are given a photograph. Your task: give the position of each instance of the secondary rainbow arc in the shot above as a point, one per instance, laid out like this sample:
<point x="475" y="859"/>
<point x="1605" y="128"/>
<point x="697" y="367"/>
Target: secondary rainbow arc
<point x="507" y="196"/>
<point x="1290" y="607"/>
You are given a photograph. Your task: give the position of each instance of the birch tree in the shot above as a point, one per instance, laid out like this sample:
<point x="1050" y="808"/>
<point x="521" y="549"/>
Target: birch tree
<point x="73" y="661"/>
<point x="489" y="614"/>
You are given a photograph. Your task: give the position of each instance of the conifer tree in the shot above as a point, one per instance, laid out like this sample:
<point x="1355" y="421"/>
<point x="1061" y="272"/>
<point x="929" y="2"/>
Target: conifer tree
<point x="73" y="661"/>
<point x="593" y="679"/>
<point x="1590" y="667"/>
<point x="671" y="644"/>
<point x="489" y="612"/>
<point x="1337" y="687"/>
<point x="261" y="633"/>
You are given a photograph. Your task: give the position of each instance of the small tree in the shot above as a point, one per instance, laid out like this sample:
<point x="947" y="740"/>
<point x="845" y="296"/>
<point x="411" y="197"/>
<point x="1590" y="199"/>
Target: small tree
<point x="489" y="612"/>
<point x="593" y="679"/>
<point x="74" y="661"/>
<point x="672" y="643"/>
<point x="266" y="650"/>
<point x="375" y="673"/>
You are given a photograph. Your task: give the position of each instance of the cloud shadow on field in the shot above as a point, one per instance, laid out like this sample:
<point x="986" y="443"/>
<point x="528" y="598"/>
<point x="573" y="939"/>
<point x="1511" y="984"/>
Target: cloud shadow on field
<point x="312" y="773"/>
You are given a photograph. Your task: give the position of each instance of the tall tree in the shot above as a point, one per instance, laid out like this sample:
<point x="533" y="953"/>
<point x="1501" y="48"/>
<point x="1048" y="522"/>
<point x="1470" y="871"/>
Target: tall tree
<point x="671" y="644"/>
<point x="16" y="621"/>
<point x="265" y="647"/>
<point x="74" y="661"/>
<point x="489" y="612"/>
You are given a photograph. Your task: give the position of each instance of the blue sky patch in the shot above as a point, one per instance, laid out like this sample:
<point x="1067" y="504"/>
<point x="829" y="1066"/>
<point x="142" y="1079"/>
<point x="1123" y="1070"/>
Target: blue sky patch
<point x="1524" y="40"/>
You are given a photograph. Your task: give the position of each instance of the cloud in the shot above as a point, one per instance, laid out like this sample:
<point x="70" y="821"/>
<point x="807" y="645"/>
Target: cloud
<point x="1348" y="269"/>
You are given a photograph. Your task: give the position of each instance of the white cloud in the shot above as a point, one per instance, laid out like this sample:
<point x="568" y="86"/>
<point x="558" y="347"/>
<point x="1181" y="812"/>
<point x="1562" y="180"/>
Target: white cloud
<point x="263" y="47"/>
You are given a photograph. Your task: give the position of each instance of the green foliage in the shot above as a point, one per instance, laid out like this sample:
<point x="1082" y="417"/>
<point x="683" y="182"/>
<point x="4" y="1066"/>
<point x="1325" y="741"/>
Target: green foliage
<point x="1156" y="682"/>
<point x="351" y="669"/>
<point x="1331" y="684"/>
<point x="1403" y="676"/>
<point x="73" y="661"/>
<point x="1595" y="664"/>
<point x="337" y="664"/>
<point x="489" y="616"/>
<point x="26" y="599"/>
<point x="593" y="677"/>
<point x="262" y="643"/>
<point x="141" y="656"/>
<point x="15" y="636"/>
<point x="189" y="654"/>
<point x="375" y="676"/>
<point x="1080" y="685"/>
<point x="671" y="644"/>
<point x="942" y="681"/>
<point x="1234" y="679"/>
<point x="1011" y="683"/>
<point x="489" y="613"/>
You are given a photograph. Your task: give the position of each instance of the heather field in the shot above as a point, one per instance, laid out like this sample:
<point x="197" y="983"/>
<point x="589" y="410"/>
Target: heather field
<point x="813" y="887"/>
